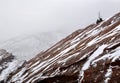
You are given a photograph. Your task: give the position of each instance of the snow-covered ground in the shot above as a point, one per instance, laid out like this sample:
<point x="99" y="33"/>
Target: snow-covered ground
<point x="25" y="47"/>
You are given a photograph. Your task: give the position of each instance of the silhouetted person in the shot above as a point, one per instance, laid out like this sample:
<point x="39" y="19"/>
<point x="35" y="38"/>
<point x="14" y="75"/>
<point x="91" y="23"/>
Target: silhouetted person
<point x="99" y="19"/>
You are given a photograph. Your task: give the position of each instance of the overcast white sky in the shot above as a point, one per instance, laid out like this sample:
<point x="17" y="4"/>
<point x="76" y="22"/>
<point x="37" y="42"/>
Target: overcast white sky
<point x="29" y="16"/>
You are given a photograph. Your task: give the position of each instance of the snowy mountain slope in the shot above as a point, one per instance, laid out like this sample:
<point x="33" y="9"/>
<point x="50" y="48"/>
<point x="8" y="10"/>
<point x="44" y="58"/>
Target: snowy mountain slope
<point x="8" y="64"/>
<point x="25" y="47"/>
<point x="91" y="55"/>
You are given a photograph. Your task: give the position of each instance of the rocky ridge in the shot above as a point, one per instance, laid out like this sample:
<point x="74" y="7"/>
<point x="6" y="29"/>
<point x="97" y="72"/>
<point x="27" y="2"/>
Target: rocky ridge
<point x="90" y="55"/>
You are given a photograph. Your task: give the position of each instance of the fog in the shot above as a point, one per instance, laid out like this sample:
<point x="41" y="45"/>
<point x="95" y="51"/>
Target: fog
<point x="32" y="16"/>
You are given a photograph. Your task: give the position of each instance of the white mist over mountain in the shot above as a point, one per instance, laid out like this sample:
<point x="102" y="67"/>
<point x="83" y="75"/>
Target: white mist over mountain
<point x="30" y="16"/>
<point x="30" y="26"/>
<point x="25" y="47"/>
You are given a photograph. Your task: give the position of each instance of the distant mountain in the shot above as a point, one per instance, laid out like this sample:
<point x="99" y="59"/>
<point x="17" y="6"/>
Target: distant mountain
<point x="24" y="47"/>
<point x="90" y="55"/>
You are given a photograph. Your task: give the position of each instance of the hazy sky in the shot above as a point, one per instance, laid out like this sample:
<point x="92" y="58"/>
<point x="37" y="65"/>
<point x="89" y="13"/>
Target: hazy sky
<point x="30" y="16"/>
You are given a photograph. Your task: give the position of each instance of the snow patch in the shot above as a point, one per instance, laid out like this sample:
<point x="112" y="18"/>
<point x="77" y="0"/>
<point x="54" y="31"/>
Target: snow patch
<point x="108" y="74"/>
<point x="114" y="56"/>
<point x="11" y="67"/>
<point x="90" y="59"/>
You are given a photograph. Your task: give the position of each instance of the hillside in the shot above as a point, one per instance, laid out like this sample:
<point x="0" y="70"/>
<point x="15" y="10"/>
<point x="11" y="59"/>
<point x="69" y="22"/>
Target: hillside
<point x="8" y="64"/>
<point x="91" y="55"/>
<point x="24" y="47"/>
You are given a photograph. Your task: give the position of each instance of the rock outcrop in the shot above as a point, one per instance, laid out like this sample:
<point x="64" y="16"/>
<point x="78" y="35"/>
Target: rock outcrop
<point x="8" y="64"/>
<point x="91" y="55"/>
<point x="5" y="58"/>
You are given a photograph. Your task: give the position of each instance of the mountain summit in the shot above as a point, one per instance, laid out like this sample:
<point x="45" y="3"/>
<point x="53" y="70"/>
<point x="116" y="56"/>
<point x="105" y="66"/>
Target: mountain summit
<point x="90" y="55"/>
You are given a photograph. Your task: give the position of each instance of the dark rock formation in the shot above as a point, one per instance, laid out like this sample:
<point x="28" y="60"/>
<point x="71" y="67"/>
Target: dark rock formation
<point x="5" y="58"/>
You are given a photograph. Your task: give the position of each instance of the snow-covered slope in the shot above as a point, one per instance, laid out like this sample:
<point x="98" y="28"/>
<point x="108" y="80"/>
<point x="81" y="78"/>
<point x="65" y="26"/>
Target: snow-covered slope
<point x="8" y="64"/>
<point x="25" y="47"/>
<point x="91" y="55"/>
